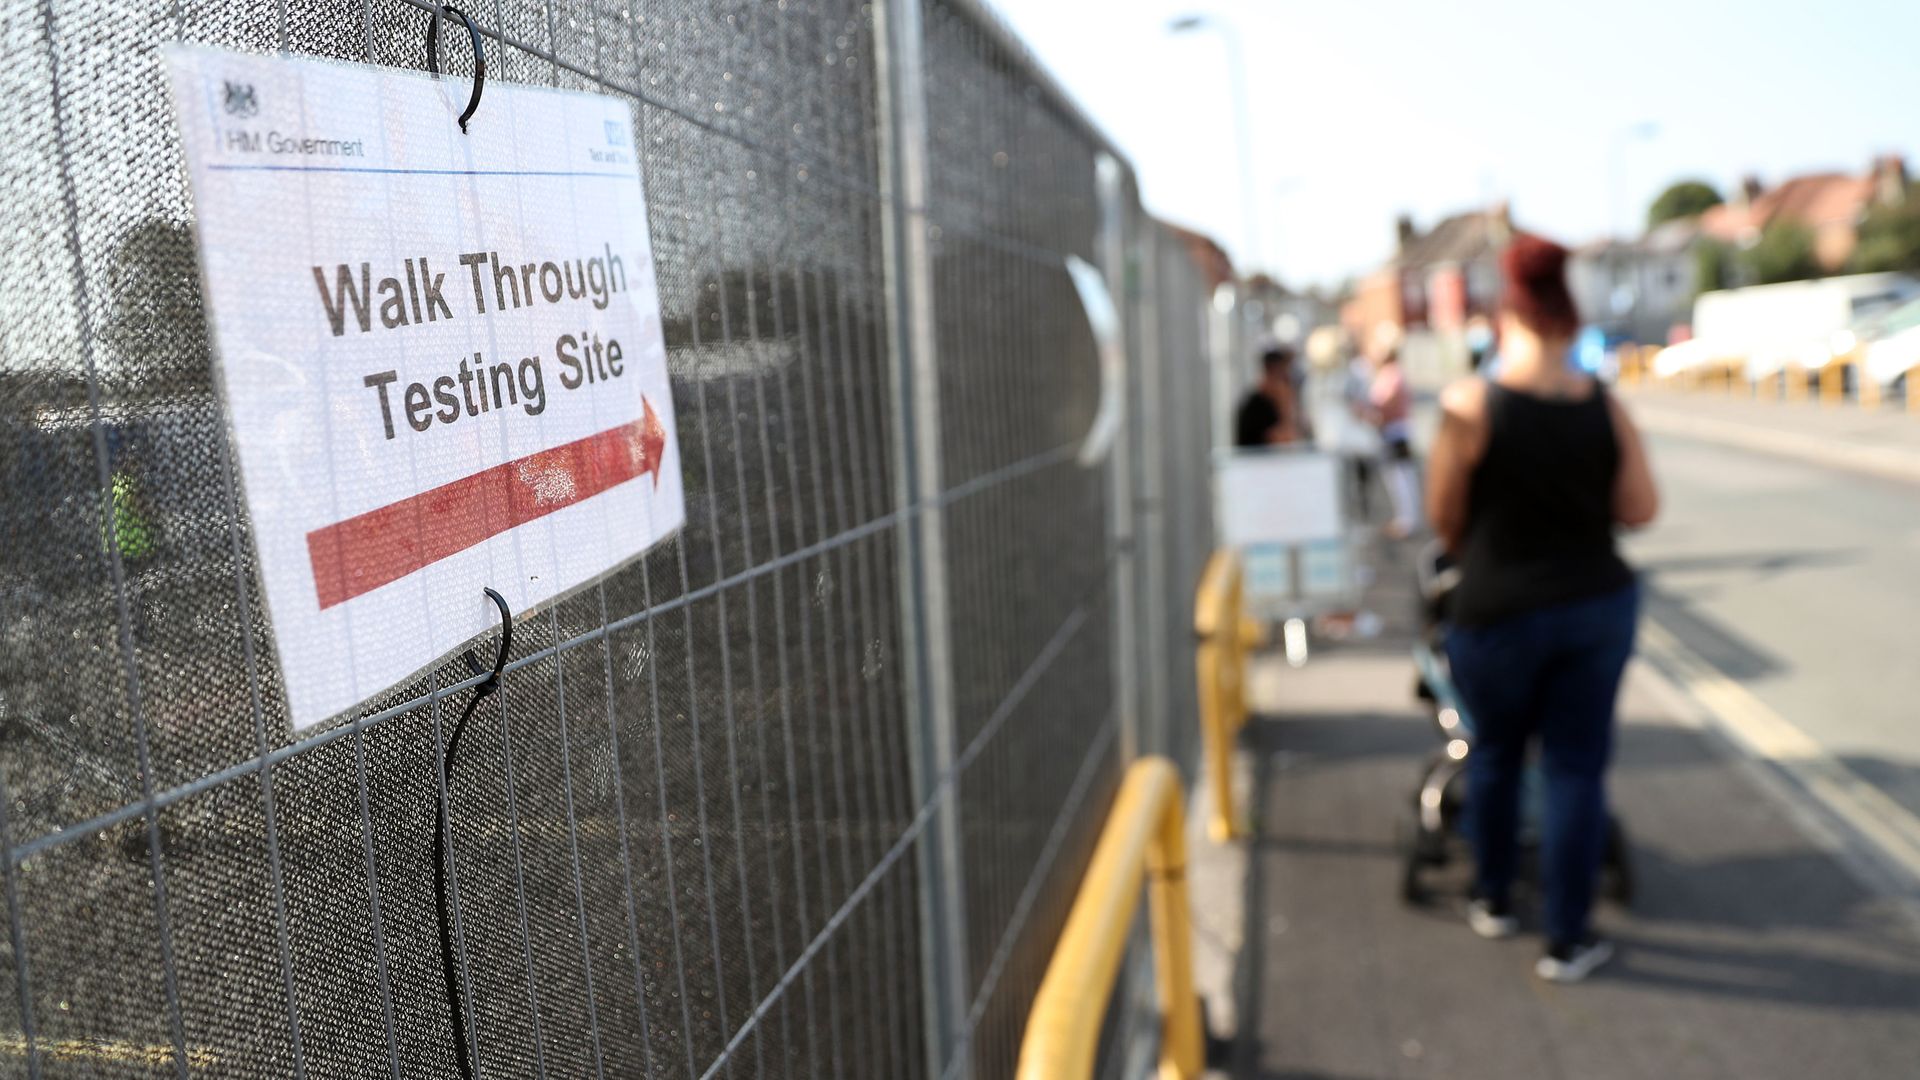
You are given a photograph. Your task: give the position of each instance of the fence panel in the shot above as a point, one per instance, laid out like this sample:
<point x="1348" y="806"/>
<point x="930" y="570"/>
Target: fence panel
<point x="1183" y="324"/>
<point x="1013" y="192"/>
<point x="685" y="841"/>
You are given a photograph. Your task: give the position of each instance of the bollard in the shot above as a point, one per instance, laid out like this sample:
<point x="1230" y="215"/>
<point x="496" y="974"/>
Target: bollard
<point x="1633" y="365"/>
<point x="1833" y="381"/>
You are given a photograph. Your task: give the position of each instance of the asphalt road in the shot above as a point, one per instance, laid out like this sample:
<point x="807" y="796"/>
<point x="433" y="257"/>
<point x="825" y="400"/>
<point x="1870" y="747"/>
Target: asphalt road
<point x="1801" y="584"/>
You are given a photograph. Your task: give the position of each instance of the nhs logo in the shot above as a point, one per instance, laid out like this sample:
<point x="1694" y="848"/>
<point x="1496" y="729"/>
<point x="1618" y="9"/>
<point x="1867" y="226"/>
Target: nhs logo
<point x="616" y="133"/>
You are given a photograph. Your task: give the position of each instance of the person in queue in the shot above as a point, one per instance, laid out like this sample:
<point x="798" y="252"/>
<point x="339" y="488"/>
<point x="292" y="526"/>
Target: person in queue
<point x="1270" y="413"/>
<point x="1532" y="471"/>
<point x="1389" y="405"/>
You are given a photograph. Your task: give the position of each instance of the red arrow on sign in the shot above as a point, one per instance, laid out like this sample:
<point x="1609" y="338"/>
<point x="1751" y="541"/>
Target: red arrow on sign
<point x="364" y="552"/>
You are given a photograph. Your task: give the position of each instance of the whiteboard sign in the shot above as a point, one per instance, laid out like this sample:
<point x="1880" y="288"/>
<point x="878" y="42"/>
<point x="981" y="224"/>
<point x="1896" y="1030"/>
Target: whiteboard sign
<point x="440" y="354"/>
<point x="1269" y="497"/>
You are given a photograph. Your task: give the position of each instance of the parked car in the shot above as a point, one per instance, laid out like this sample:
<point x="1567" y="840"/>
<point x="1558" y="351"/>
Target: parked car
<point x="1891" y="345"/>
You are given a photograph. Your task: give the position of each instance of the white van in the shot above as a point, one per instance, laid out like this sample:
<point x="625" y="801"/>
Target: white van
<point x="1803" y="324"/>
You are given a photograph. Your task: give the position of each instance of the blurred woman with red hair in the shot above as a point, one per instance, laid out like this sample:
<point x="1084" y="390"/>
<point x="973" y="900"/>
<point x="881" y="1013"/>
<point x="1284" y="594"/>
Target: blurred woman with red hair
<point x="1531" y="472"/>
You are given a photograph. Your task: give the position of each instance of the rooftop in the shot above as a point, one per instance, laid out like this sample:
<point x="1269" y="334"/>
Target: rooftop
<point x="1461" y="238"/>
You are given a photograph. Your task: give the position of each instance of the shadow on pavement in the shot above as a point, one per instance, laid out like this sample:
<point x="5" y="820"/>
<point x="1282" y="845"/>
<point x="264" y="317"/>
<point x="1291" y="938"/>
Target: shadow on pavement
<point x="1737" y="657"/>
<point x="1294" y="1074"/>
<point x="1748" y="949"/>
<point x="1759" y="565"/>
<point x="1317" y="738"/>
<point x="1733" y="655"/>
<point x="1795" y="977"/>
<point x="1899" y="779"/>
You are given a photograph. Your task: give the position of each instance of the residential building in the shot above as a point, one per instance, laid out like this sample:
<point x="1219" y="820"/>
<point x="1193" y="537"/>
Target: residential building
<point x="1436" y="280"/>
<point x="1215" y="266"/>
<point x="1282" y="314"/>
<point x="1640" y="289"/>
<point x="1830" y="205"/>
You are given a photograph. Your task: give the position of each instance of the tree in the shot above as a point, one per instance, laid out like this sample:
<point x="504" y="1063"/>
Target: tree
<point x="1890" y="236"/>
<point x="1784" y="252"/>
<point x="1713" y="266"/>
<point x="1685" y="199"/>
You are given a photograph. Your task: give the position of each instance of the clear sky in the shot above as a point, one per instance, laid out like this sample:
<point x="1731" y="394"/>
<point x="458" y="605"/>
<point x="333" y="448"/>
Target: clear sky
<point x="1362" y="110"/>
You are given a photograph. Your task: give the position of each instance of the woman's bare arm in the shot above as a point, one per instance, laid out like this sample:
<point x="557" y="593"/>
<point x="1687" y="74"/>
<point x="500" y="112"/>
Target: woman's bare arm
<point x="1636" y="500"/>
<point x="1456" y="450"/>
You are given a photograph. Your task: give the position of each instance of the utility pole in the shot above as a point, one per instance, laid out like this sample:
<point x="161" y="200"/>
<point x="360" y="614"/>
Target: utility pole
<point x="1242" y="123"/>
<point x="1617" y="223"/>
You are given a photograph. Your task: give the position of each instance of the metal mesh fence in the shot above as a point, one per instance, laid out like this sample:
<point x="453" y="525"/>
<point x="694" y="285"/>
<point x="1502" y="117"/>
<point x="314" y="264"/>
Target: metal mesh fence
<point x="693" y="835"/>
<point x="1178" y="509"/>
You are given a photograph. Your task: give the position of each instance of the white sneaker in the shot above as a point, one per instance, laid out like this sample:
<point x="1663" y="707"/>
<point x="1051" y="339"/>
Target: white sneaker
<point x="1489" y="923"/>
<point x="1572" y="963"/>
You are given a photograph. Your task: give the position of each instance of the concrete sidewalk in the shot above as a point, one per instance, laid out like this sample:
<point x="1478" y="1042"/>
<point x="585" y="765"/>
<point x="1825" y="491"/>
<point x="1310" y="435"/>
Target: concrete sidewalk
<point x="1750" y="951"/>
<point x="1881" y="441"/>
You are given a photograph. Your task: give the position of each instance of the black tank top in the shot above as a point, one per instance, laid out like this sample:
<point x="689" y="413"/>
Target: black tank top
<point x="1540" y="508"/>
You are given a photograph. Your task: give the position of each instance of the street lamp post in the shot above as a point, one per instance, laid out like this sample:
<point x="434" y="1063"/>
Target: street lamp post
<point x="1243" y="128"/>
<point x="1280" y="191"/>
<point x="1617" y="161"/>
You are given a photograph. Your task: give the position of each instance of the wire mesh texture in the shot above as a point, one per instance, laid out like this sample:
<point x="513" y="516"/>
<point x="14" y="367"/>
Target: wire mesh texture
<point x="687" y="833"/>
<point x="1177" y="513"/>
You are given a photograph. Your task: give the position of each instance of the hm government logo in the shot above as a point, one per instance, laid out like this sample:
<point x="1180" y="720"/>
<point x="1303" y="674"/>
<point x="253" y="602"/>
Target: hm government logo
<point x="240" y="99"/>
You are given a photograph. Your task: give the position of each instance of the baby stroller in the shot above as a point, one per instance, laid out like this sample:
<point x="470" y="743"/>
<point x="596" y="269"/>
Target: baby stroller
<point x="1439" y="801"/>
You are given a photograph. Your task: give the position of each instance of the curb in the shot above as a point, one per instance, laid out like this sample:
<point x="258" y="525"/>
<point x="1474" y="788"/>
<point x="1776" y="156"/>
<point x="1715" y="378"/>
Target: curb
<point x="1882" y="461"/>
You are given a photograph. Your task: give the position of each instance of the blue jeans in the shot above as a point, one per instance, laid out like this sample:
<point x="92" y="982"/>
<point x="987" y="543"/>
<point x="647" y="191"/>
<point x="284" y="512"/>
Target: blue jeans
<point x="1551" y="674"/>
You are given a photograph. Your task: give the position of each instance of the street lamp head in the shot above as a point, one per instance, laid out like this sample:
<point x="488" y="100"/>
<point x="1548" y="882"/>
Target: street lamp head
<point x="1187" y="22"/>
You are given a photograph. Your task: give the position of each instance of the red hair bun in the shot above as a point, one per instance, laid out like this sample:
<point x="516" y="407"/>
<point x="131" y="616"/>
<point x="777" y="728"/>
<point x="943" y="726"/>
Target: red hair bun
<point x="1535" y="273"/>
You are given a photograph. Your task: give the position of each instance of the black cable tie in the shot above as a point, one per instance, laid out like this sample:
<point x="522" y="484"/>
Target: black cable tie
<point x="479" y="58"/>
<point x="442" y="855"/>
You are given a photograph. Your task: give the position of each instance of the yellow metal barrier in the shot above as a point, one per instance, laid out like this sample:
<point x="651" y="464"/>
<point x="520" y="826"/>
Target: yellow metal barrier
<point x="1226" y="635"/>
<point x="1145" y="835"/>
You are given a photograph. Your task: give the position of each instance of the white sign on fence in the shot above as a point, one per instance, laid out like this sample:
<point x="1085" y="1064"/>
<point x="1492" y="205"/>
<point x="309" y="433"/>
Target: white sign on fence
<point x="1278" y="497"/>
<point x="441" y="353"/>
